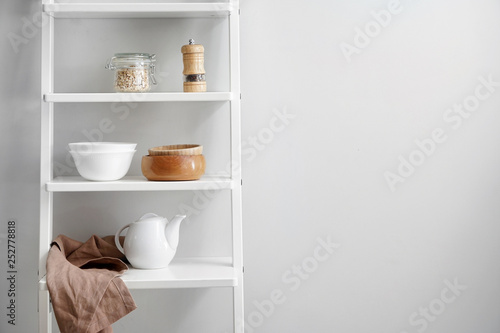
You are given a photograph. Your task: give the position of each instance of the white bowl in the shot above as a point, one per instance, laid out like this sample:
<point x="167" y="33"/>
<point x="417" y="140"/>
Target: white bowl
<point x="101" y="147"/>
<point x="103" y="166"/>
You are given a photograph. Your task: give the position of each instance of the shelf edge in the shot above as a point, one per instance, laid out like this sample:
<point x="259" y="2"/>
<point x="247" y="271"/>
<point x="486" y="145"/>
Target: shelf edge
<point x="140" y="97"/>
<point x="138" y="183"/>
<point x="137" y="10"/>
<point x="197" y="281"/>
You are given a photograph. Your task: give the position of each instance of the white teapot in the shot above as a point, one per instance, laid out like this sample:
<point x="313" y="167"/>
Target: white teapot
<point x="151" y="241"/>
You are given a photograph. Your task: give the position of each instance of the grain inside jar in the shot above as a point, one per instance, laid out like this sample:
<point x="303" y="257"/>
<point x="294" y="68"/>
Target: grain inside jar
<point x="132" y="80"/>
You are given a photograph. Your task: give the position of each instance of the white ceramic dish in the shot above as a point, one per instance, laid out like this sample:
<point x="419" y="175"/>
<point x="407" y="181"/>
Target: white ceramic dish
<point x="101" y="147"/>
<point x="103" y="166"/>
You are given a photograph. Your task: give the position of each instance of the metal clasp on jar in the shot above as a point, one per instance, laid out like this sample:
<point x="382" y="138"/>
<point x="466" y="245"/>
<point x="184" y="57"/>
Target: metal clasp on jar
<point x="153" y="69"/>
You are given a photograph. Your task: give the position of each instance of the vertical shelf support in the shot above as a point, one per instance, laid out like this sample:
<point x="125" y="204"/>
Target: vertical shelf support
<point x="235" y="114"/>
<point x="46" y="165"/>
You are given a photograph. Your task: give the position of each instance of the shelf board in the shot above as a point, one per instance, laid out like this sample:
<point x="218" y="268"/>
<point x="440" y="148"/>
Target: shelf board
<point x="181" y="273"/>
<point x="136" y="10"/>
<point x="137" y="183"/>
<point x="138" y="97"/>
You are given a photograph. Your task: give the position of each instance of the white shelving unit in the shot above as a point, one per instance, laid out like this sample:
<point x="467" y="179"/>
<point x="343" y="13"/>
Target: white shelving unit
<point x="202" y="272"/>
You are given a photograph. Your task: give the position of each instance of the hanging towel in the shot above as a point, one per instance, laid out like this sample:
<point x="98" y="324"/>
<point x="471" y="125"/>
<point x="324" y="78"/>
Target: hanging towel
<point x="85" y="289"/>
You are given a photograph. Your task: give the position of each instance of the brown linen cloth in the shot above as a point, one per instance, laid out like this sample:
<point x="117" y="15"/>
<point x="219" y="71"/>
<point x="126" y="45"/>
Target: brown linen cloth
<point x="84" y="285"/>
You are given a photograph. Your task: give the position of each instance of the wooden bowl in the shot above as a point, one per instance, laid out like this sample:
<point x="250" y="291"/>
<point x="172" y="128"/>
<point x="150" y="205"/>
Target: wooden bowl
<point x="173" y="167"/>
<point x="176" y="150"/>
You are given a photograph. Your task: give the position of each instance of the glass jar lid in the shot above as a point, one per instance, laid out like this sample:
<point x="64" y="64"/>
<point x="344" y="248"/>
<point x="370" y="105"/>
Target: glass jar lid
<point x="121" y="60"/>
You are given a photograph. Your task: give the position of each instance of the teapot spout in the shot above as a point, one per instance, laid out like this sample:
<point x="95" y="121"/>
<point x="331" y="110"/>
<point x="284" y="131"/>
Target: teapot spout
<point x="172" y="231"/>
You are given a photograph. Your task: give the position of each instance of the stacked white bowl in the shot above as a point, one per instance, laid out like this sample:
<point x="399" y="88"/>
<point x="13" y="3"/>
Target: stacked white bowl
<point x="102" y="161"/>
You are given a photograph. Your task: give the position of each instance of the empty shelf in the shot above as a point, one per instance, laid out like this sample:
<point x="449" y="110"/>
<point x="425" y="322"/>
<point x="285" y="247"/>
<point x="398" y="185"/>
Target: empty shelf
<point x="134" y="10"/>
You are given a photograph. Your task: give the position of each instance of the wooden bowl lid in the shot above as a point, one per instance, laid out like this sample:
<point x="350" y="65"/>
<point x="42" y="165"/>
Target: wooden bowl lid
<point x="181" y="149"/>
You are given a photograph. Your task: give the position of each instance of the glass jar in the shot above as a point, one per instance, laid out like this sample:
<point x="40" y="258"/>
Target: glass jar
<point x="134" y="72"/>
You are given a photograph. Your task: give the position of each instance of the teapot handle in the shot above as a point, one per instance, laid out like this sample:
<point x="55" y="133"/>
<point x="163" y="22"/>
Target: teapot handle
<point x="117" y="238"/>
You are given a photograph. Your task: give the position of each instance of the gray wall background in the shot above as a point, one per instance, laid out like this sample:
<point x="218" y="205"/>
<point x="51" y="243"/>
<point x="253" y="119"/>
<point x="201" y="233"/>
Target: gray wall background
<point x="341" y="100"/>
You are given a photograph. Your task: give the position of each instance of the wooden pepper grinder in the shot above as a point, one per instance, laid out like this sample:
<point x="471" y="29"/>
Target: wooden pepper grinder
<point x="194" y="72"/>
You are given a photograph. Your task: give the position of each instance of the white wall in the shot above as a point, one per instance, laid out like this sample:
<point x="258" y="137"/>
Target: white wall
<point x="321" y="133"/>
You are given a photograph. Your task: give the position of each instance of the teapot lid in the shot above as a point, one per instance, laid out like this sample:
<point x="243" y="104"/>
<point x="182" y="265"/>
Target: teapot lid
<point x="150" y="217"/>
